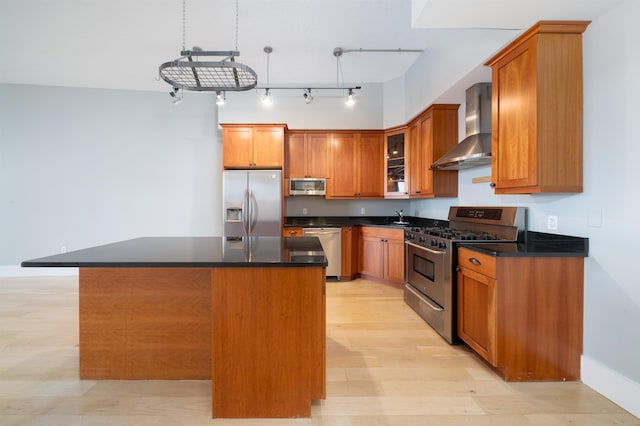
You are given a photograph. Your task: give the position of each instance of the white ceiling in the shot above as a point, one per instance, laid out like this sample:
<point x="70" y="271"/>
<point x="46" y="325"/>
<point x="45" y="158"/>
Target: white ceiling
<point x="120" y="43"/>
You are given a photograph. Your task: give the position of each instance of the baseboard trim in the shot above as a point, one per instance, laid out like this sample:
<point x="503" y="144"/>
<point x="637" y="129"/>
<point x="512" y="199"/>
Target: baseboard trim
<point x="18" y="271"/>
<point x="611" y="384"/>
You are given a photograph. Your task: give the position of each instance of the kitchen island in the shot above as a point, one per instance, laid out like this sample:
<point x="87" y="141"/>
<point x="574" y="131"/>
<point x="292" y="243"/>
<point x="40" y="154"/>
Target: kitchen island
<point x="247" y="313"/>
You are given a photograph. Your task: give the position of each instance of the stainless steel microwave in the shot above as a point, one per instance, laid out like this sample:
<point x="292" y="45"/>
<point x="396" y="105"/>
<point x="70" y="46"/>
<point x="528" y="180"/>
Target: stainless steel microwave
<point x="307" y="186"/>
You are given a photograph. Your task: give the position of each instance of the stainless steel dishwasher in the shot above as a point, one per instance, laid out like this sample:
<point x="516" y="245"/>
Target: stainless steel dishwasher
<point x="331" y="240"/>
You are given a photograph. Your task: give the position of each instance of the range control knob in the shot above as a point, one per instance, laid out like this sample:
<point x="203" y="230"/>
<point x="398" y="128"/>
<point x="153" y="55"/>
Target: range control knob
<point x="422" y="239"/>
<point x="434" y="243"/>
<point x="442" y="245"/>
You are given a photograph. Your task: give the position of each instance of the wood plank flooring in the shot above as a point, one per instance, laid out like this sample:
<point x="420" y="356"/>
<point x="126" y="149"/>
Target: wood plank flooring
<point x="385" y="366"/>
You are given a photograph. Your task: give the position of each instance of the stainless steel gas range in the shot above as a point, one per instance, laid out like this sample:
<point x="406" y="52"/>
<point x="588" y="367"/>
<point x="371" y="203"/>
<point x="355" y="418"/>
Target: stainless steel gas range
<point x="431" y="257"/>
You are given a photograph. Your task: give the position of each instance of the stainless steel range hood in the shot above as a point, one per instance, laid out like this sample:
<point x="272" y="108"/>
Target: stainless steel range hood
<point x="475" y="149"/>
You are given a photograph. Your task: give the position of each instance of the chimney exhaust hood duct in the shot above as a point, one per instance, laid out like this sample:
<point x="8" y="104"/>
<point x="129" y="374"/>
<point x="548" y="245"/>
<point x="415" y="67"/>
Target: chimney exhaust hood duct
<point x="475" y="149"/>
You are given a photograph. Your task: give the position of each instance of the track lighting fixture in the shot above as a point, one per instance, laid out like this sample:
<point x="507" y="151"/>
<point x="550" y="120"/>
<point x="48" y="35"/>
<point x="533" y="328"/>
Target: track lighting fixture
<point x="351" y="100"/>
<point x="307" y="96"/>
<point x="176" y="95"/>
<point x="266" y="99"/>
<point x="220" y="98"/>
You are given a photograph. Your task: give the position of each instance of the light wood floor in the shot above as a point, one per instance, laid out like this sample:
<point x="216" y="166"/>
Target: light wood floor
<point x="385" y="367"/>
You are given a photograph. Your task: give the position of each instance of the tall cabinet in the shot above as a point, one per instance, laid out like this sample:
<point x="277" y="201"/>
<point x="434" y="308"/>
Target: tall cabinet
<point x="537" y="110"/>
<point x="431" y="135"/>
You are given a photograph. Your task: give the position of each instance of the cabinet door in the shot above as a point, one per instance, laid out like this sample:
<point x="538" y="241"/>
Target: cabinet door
<point x="396" y="160"/>
<point x="477" y="313"/>
<point x="514" y="143"/>
<point x="415" y="165"/>
<point x="237" y="147"/>
<point x="424" y="184"/>
<point x="349" y="252"/>
<point x="394" y="261"/>
<point x="371" y="179"/>
<point x="317" y="155"/>
<point x="344" y="166"/>
<point x="268" y="147"/>
<point x="371" y="256"/>
<point x="296" y="155"/>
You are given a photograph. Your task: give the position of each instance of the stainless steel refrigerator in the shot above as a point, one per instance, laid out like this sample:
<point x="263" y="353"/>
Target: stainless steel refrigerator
<point x="252" y="203"/>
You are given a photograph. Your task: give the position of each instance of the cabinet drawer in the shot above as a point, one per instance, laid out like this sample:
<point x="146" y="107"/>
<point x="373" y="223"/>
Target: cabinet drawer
<point x="479" y="262"/>
<point x="382" y="233"/>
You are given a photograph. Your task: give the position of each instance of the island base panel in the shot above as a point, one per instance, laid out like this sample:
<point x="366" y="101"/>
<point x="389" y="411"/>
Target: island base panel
<point x="268" y="341"/>
<point x="145" y="323"/>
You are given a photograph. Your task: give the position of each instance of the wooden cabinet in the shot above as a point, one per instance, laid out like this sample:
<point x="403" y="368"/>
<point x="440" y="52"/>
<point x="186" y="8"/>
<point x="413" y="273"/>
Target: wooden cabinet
<point x="396" y="163"/>
<point x="431" y="135"/>
<point x="356" y="165"/>
<point x="292" y="231"/>
<point x="307" y="154"/>
<point x="537" y="110"/>
<point x="477" y="303"/>
<point x="252" y="146"/>
<point x="382" y="253"/>
<point x="350" y="252"/>
<point x="523" y="315"/>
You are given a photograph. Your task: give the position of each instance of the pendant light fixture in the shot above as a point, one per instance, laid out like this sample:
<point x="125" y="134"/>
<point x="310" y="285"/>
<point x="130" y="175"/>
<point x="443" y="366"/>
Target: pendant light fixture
<point x="266" y="99"/>
<point x="218" y="76"/>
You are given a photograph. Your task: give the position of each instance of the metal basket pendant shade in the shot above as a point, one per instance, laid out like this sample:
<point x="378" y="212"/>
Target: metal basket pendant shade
<point x="217" y="76"/>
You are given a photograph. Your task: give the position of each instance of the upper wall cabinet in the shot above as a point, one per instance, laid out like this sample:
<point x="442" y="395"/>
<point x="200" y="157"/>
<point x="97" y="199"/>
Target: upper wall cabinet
<point x="356" y="165"/>
<point x="307" y="154"/>
<point x="431" y="135"/>
<point x="537" y="110"/>
<point x="259" y="146"/>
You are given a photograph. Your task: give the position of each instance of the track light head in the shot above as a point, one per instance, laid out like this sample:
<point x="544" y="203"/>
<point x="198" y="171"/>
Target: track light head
<point x="307" y="96"/>
<point x="220" y="98"/>
<point x="351" y="100"/>
<point x="266" y="99"/>
<point x="176" y="95"/>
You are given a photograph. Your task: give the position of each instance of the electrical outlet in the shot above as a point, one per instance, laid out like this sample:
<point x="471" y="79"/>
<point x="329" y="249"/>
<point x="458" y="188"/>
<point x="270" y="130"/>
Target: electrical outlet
<point x="63" y="249"/>
<point x="362" y="210"/>
<point x="304" y="210"/>
<point x="552" y="222"/>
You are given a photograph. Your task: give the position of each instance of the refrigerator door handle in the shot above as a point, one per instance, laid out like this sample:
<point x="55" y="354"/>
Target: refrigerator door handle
<point x="245" y="212"/>
<point x="253" y="211"/>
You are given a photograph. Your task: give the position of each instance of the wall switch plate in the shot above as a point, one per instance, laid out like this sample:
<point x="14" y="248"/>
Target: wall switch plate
<point x="552" y="222"/>
<point x="304" y="210"/>
<point x="362" y="210"/>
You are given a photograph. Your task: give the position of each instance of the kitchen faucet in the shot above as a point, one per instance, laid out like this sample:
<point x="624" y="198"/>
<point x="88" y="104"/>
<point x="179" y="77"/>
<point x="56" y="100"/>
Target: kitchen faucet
<point x="399" y="214"/>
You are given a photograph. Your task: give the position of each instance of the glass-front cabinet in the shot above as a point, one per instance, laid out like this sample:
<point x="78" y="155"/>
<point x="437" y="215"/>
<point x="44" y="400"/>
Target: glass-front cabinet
<point x="396" y="162"/>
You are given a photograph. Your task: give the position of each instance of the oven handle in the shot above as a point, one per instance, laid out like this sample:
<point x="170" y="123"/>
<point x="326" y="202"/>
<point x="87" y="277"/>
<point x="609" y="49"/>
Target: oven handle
<point x="424" y="248"/>
<point x="423" y="299"/>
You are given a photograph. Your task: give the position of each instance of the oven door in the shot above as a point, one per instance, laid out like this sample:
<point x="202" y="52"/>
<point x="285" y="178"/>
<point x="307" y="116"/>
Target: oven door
<point x="426" y="272"/>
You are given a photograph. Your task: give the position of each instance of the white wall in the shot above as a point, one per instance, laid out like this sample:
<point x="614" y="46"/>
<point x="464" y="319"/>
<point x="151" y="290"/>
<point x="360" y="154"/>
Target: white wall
<point x="81" y="167"/>
<point x="606" y="212"/>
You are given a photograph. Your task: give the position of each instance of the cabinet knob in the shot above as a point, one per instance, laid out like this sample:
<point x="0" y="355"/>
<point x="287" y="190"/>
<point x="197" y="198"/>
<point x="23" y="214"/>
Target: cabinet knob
<point x="492" y="184"/>
<point x="475" y="261"/>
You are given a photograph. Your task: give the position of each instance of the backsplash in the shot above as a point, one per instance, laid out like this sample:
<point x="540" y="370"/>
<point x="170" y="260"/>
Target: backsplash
<point x="319" y="206"/>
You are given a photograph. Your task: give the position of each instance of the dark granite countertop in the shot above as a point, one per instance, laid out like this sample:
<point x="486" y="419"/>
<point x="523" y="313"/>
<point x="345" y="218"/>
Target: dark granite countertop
<point x="193" y="252"/>
<point x="537" y="244"/>
<point x="340" y="221"/>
